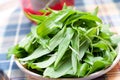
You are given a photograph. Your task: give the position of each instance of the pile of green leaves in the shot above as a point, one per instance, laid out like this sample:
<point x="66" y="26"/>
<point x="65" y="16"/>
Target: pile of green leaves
<point x="67" y="43"/>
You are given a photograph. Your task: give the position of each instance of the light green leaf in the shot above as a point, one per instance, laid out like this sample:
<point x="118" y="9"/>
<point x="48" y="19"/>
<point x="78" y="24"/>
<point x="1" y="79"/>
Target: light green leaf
<point x="75" y="51"/>
<point x="46" y="63"/>
<point x="91" y="17"/>
<point x="92" y="32"/>
<point x="102" y="45"/>
<point x="83" y="70"/>
<point x="61" y="71"/>
<point x="74" y="62"/>
<point x="83" y="48"/>
<point x="98" y="65"/>
<point x="64" y="45"/>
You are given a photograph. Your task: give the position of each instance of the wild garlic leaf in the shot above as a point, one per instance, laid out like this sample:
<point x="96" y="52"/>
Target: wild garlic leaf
<point x="36" y="18"/>
<point x="17" y="51"/>
<point x="46" y="63"/>
<point x="83" y="48"/>
<point x="40" y="51"/>
<point x="91" y="17"/>
<point x="53" y="22"/>
<point x="83" y="70"/>
<point x="61" y="71"/>
<point x="92" y="32"/>
<point x="98" y="65"/>
<point x="75" y="51"/>
<point x="66" y="41"/>
<point x="102" y="45"/>
<point x="29" y="43"/>
<point x="74" y="62"/>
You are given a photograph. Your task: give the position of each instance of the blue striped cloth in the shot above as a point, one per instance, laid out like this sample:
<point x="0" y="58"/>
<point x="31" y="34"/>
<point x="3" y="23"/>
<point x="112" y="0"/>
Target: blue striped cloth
<point x="18" y="26"/>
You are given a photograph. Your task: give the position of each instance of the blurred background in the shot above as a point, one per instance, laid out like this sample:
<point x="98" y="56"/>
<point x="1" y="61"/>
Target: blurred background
<point x="14" y="25"/>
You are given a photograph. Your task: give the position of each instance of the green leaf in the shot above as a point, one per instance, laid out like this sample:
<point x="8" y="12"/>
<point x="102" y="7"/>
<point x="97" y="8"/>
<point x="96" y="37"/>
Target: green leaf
<point x="74" y="62"/>
<point x="40" y="51"/>
<point x="73" y="18"/>
<point x="92" y="32"/>
<point x="109" y="56"/>
<point x="91" y="17"/>
<point x="113" y="55"/>
<point x="83" y="48"/>
<point x="46" y="63"/>
<point x="98" y="65"/>
<point x="105" y="35"/>
<point x="44" y="42"/>
<point x="53" y="22"/>
<point x="75" y="51"/>
<point x="36" y="18"/>
<point x="75" y="43"/>
<point x="17" y="51"/>
<point x="28" y="43"/>
<point x="102" y="45"/>
<point x="61" y="71"/>
<point x="87" y="24"/>
<point x="62" y="49"/>
<point x="83" y="70"/>
<point x="90" y="58"/>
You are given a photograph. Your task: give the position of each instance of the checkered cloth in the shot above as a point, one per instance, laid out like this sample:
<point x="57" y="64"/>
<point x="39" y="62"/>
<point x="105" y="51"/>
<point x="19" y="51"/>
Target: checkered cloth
<point x="18" y="26"/>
